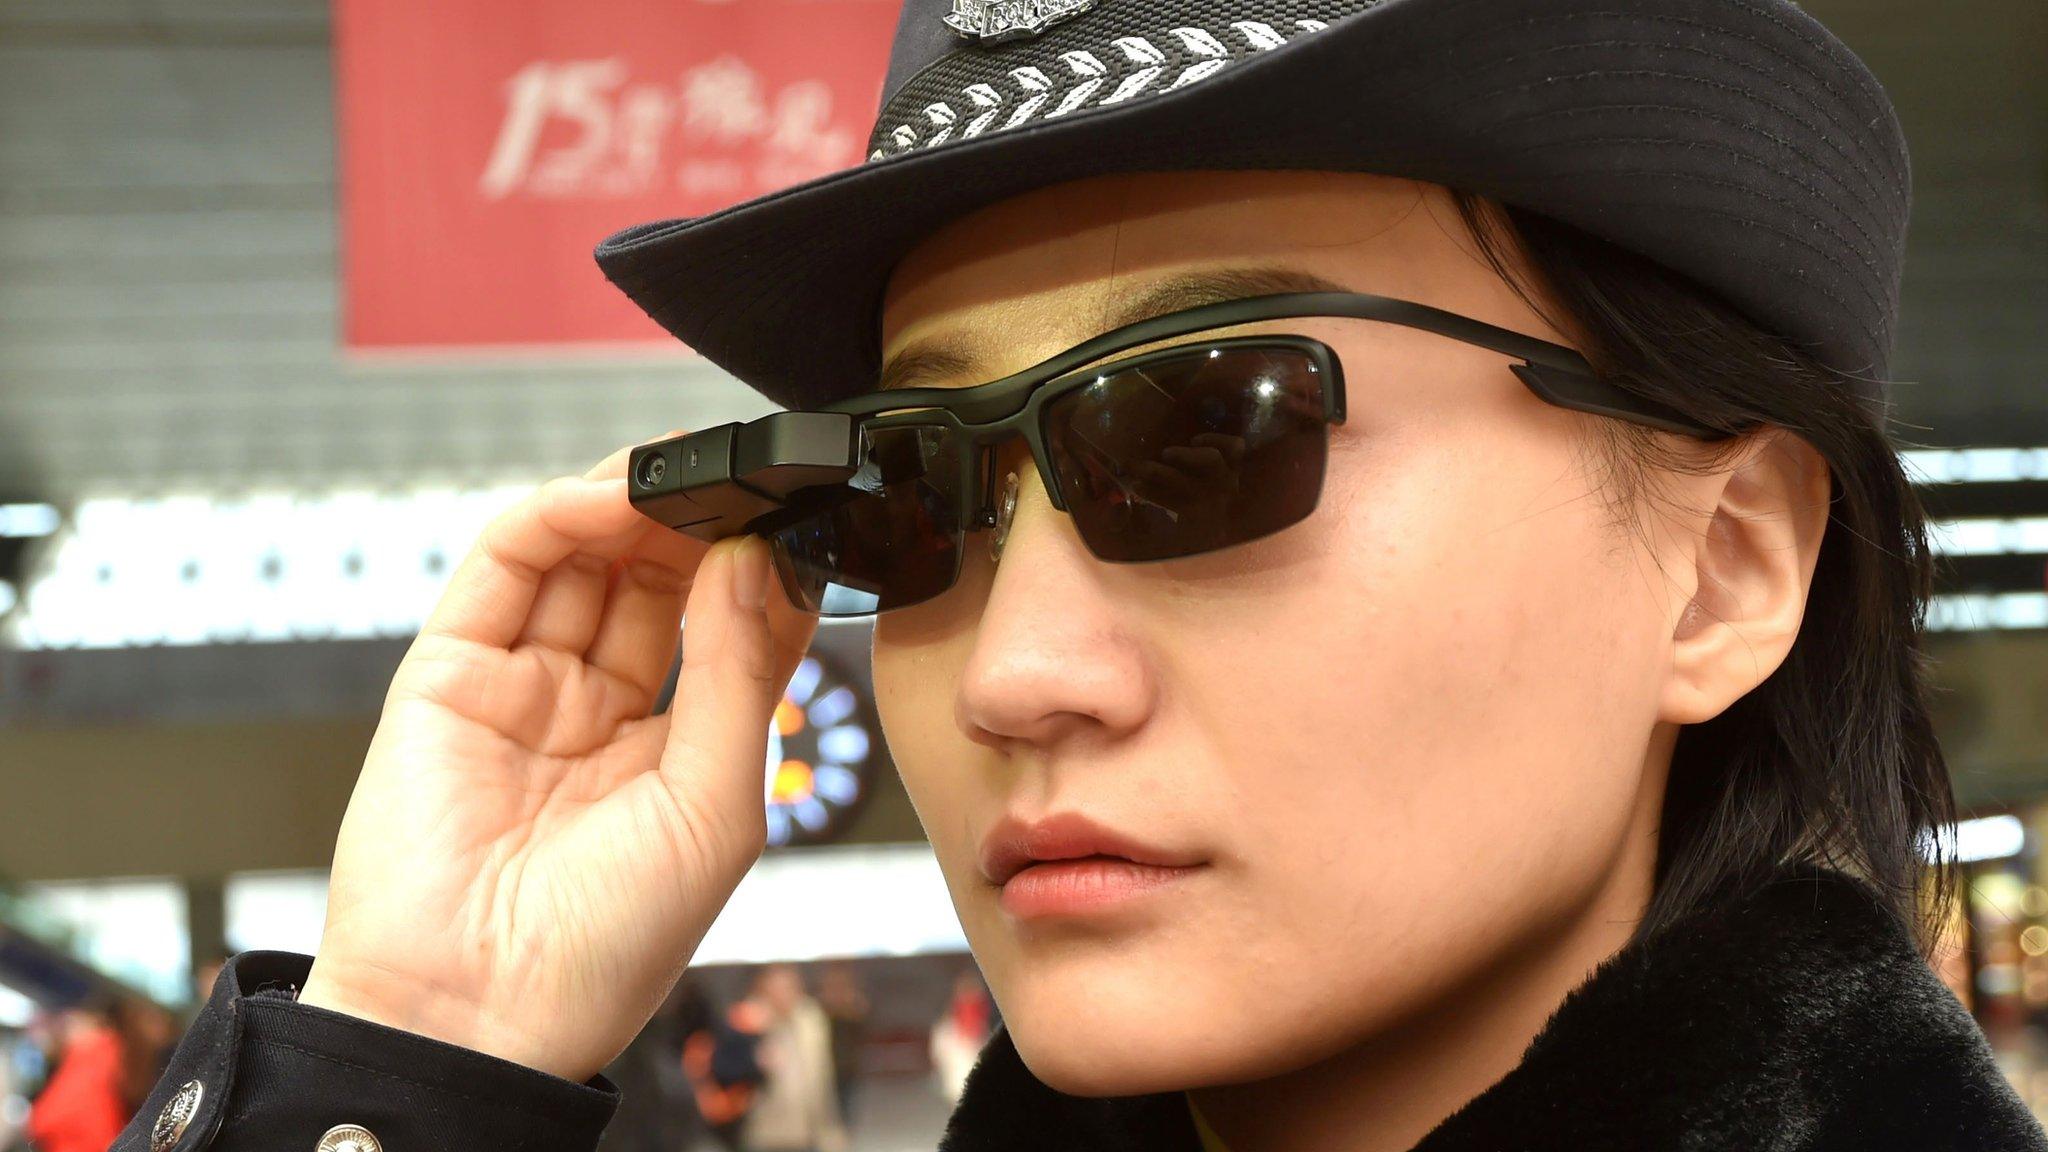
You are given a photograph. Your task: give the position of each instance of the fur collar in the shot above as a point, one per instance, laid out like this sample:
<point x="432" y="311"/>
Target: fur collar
<point x="1799" y="1018"/>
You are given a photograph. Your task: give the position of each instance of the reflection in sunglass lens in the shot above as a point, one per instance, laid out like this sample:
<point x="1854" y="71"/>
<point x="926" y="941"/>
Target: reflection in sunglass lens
<point x="1191" y="453"/>
<point x="890" y="537"/>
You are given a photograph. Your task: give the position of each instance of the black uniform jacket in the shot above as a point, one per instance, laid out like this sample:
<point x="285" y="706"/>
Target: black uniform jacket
<point x="1799" y="1018"/>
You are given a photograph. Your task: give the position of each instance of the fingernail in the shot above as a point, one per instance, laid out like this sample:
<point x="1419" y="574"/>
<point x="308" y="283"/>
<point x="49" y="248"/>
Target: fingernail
<point x="750" y="574"/>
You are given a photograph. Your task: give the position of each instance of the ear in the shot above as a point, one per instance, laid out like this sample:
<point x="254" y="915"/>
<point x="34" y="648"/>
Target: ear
<point x="1753" y="564"/>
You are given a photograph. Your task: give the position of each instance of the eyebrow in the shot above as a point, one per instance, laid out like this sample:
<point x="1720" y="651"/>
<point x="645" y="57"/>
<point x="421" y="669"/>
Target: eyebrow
<point x="943" y="357"/>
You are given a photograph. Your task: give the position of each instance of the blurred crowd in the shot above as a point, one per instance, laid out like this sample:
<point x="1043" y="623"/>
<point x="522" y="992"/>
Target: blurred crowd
<point x="71" y="1080"/>
<point x="779" y="1068"/>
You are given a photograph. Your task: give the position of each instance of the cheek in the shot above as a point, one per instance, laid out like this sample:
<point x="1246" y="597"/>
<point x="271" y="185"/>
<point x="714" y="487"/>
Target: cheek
<point x="1446" y="750"/>
<point x="916" y="663"/>
<point x="951" y="781"/>
<point x="1474" y="611"/>
<point x="957" y="787"/>
<point x="1474" y="654"/>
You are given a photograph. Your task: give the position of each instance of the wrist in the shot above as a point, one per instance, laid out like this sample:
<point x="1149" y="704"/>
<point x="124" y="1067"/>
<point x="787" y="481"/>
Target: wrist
<point x="391" y="1000"/>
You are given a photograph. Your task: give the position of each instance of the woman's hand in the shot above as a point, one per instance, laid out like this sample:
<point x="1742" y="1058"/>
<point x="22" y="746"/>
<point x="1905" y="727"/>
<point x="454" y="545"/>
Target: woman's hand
<point x="530" y="858"/>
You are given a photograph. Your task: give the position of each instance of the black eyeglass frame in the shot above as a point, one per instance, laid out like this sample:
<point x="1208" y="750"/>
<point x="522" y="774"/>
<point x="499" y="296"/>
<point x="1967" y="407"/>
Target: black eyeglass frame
<point x="740" y="479"/>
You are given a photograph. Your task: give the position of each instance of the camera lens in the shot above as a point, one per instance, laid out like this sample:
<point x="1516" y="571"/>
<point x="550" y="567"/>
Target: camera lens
<point x="653" y="467"/>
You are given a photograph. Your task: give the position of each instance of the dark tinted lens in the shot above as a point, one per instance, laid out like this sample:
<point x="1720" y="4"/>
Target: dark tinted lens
<point x="887" y="538"/>
<point x="1192" y="452"/>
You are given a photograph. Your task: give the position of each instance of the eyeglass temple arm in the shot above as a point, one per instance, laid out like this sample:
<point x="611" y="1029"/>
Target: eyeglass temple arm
<point x="1553" y="371"/>
<point x="1585" y="392"/>
<point x="1556" y="373"/>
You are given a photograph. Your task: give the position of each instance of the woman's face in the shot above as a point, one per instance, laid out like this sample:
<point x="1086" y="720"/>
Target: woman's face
<point x="1394" y="745"/>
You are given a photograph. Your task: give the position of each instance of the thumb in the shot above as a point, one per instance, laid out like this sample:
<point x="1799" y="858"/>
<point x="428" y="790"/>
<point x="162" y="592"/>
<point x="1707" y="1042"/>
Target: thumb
<point x="726" y="694"/>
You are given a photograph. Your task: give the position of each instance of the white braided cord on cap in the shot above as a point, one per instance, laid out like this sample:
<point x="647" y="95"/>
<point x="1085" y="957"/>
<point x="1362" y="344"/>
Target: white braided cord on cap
<point x="1086" y="77"/>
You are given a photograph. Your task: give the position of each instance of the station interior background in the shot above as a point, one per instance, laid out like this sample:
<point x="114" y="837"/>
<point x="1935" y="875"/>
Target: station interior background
<point x="218" y="525"/>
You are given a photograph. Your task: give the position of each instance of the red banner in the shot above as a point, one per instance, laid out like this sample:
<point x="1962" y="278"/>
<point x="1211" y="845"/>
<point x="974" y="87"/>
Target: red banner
<point x="487" y="147"/>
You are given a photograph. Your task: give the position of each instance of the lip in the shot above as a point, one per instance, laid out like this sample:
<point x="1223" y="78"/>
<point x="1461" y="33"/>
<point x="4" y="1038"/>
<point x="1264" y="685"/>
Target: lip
<point x="1087" y="886"/>
<point x="1066" y="862"/>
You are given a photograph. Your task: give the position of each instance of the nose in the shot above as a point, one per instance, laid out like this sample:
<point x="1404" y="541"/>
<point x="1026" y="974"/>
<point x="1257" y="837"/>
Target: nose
<point x="1056" y="656"/>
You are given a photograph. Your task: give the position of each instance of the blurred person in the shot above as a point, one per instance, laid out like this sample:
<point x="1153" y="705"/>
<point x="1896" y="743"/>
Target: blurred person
<point x="1396" y="516"/>
<point x="656" y="1110"/>
<point x="797" y="1107"/>
<point x="722" y="1062"/>
<point x="847" y="1007"/>
<point x="14" y="1088"/>
<point x="959" y="1034"/>
<point x="203" y="978"/>
<point x="686" y="1010"/>
<point x="44" y="1044"/>
<point x="111" y="1054"/>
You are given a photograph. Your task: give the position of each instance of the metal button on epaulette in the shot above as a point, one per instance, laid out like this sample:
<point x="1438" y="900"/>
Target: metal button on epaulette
<point x="348" y="1138"/>
<point x="176" y="1116"/>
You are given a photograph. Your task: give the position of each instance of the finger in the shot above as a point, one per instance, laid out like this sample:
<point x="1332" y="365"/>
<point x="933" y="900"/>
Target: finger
<point x="791" y="630"/>
<point x="636" y="639"/>
<point x="493" y="590"/>
<point x="1160" y="481"/>
<point x="573" y="598"/>
<point x="726" y="693"/>
<point x="570" y="602"/>
<point x="1232" y="447"/>
<point x="1204" y="463"/>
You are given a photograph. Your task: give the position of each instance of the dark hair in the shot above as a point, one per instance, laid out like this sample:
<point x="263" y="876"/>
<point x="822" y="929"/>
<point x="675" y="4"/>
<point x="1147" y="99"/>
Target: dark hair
<point x="1832" y="760"/>
<point x="140" y="1027"/>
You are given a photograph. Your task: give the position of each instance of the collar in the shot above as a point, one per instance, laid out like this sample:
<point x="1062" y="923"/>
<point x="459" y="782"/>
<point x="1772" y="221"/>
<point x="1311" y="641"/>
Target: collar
<point x="1798" y="1017"/>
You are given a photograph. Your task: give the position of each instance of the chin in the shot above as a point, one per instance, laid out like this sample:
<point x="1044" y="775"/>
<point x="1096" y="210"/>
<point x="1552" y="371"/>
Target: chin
<point x="1089" y="1060"/>
<point x="1123" y="1034"/>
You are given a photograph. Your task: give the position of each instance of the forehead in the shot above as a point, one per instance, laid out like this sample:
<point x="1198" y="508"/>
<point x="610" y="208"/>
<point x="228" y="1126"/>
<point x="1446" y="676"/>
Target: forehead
<point x="1021" y="280"/>
<point x="967" y="351"/>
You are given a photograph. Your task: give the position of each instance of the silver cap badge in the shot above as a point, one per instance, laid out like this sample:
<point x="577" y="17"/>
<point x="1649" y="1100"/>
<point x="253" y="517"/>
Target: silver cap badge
<point x="993" y="21"/>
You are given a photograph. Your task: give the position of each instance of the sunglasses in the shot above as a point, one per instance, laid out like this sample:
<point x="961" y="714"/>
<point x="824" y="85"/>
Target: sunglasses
<point x="867" y="503"/>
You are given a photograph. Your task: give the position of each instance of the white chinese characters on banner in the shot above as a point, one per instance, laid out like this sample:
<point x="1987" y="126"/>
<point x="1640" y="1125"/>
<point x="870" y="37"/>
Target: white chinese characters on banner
<point x="587" y="128"/>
